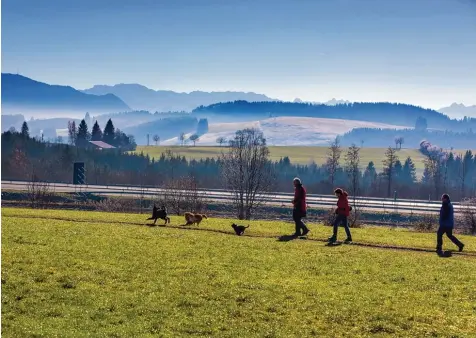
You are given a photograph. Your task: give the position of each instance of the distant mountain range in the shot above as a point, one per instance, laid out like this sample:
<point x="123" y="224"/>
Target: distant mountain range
<point x="21" y="94"/>
<point x="459" y="110"/>
<point x="140" y="97"/>
<point x="332" y="102"/>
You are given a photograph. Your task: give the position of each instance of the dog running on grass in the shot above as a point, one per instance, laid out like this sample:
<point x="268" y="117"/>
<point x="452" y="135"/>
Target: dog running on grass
<point x="191" y="218"/>
<point x="159" y="213"/>
<point x="239" y="229"/>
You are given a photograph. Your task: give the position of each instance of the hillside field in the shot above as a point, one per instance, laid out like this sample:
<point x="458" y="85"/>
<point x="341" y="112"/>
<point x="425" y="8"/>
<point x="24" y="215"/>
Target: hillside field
<point x="76" y="273"/>
<point x="297" y="154"/>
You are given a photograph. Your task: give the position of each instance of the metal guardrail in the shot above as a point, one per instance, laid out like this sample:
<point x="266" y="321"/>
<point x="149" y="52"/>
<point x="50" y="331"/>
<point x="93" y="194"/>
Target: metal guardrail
<point x="152" y="188"/>
<point x="399" y="205"/>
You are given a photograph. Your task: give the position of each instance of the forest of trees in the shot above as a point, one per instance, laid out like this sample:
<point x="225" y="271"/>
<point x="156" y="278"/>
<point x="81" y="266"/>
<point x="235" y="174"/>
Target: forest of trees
<point x="23" y="157"/>
<point x="80" y="135"/>
<point x="391" y="113"/>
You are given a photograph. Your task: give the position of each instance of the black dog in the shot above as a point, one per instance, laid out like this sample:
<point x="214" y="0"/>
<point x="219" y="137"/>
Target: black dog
<point x="239" y="229"/>
<point x="159" y="213"/>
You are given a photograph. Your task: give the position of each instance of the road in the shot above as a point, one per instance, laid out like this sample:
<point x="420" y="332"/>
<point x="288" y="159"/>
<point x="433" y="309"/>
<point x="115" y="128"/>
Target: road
<point x="313" y="200"/>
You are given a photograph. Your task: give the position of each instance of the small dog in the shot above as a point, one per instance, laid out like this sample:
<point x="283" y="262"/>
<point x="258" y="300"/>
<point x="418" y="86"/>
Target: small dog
<point x="159" y="213"/>
<point x="239" y="229"/>
<point x="194" y="218"/>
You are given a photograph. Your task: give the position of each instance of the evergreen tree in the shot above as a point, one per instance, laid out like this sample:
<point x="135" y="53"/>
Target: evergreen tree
<point x="408" y="172"/>
<point x="202" y="127"/>
<point x="421" y="124"/>
<point x="389" y="168"/>
<point x="96" y="134"/>
<point x="72" y="132"/>
<point x="83" y="136"/>
<point x="109" y="133"/>
<point x="452" y="170"/>
<point x="25" y="130"/>
<point x="87" y="118"/>
<point x="398" y="171"/>
<point x="370" y="175"/>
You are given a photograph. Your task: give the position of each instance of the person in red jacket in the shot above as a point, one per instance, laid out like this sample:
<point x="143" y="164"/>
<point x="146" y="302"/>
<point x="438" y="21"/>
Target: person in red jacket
<point x="342" y="212"/>
<point x="299" y="208"/>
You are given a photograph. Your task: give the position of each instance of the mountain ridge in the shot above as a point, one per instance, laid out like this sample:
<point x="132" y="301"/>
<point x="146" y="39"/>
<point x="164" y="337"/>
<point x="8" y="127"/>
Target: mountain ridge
<point x="21" y="93"/>
<point x="459" y="110"/>
<point x="140" y="97"/>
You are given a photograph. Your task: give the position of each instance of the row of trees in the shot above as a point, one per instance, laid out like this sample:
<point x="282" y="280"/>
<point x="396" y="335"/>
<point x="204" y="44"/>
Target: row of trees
<point x="247" y="156"/>
<point x="81" y="136"/>
<point x="375" y="137"/>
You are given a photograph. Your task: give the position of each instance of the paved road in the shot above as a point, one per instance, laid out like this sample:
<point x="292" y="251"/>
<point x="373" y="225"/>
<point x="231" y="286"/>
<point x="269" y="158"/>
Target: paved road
<point x="321" y="201"/>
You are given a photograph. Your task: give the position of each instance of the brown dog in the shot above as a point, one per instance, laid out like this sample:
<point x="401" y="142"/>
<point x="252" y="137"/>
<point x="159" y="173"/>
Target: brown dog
<point x="191" y="218"/>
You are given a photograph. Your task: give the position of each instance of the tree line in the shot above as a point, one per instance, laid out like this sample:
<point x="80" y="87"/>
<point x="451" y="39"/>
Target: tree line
<point x="24" y="157"/>
<point x="384" y="112"/>
<point x="374" y="137"/>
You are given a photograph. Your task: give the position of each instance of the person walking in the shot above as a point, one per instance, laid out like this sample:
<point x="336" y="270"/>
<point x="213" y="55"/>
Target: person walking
<point x="342" y="212"/>
<point x="446" y="225"/>
<point x="299" y="208"/>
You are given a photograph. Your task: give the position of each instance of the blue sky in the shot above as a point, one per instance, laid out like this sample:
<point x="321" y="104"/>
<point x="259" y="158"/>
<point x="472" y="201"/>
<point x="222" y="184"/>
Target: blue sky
<point x="414" y="51"/>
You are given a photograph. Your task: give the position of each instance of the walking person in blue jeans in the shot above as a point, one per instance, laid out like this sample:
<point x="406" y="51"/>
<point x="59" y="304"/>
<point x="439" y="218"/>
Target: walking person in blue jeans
<point x="446" y="225"/>
<point x="342" y="212"/>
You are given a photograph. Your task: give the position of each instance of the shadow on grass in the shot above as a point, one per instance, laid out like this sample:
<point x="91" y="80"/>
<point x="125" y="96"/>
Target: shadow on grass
<point x="287" y="238"/>
<point x="155" y="225"/>
<point x="445" y="254"/>
<point x="334" y="244"/>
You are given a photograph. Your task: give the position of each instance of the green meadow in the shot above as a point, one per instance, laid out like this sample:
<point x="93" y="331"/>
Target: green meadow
<point x="77" y="274"/>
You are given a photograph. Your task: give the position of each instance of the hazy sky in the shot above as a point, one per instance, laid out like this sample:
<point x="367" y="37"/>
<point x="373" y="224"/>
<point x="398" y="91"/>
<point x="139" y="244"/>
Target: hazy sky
<point x="414" y="51"/>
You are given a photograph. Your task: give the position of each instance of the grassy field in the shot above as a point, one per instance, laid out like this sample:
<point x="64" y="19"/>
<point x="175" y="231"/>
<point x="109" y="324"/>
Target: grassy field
<point x="299" y="155"/>
<point x="75" y="274"/>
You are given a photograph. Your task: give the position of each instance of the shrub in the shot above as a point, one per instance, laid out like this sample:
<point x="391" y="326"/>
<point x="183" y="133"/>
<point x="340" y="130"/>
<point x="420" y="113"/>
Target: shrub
<point x="426" y="223"/>
<point x="467" y="219"/>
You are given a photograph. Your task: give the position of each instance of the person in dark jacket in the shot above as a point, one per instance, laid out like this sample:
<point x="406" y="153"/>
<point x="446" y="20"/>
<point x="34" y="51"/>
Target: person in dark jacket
<point x="446" y="224"/>
<point x="299" y="208"/>
<point x="342" y="212"/>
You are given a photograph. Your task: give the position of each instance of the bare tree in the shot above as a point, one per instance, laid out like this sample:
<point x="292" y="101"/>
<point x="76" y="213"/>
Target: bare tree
<point x="182" y="195"/>
<point x="221" y="140"/>
<point x="352" y="164"/>
<point x="182" y="138"/>
<point x="398" y="142"/>
<point x="389" y="167"/>
<point x="38" y="193"/>
<point x="194" y="138"/>
<point x="247" y="171"/>
<point x="468" y="216"/>
<point x="333" y="157"/>
<point x="156" y="139"/>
